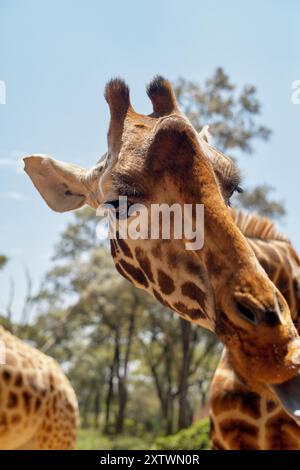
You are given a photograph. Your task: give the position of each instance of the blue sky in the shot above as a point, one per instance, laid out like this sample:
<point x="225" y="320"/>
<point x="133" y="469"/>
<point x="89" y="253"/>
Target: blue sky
<point x="56" y="56"/>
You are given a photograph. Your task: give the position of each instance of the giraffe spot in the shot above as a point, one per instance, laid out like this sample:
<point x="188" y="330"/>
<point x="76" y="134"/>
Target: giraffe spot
<point x="296" y="287"/>
<point x="180" y="307"/>
<point x="15" y="419"/>
<point x="193" y="313"/>
<point x="192" y="266"/>
<point x="283" y="282"/>
<point x="18" y="380"/>
<point x="173" y="259"/>
<point x="124" y="247"/>
<point x="27" y="401"/>
<point x="282" y="433"/>
<point x="70" y="408"/>
<point x="144" y="263"/>
<point x="135" y="273"/>
<point x="189" y="289"/>
<point x="165" y="282"/>
<point x="122" y="272"/>
<point x="161" y="299"/>
<point x="271" y="405"/>
<point x="215" y="266"/>
<point x="54" y="402"/>
<point x="113" y="248"/>
<point x="157" y="251"/>
<point x="246" y="401"/>
<point x="52" y="383"/>
<point x="6" y="376"/>
<point x="38" y="403"/>
<point x="12" y="401"/>
<point x="269" y="267"/>
<point x="241" y="434"/>
<point x="3" y="419"/>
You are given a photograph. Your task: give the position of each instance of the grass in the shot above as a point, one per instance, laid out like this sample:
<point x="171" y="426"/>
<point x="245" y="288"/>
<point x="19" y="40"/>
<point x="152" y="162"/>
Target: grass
<point x="196" y="437"/>
<point x="91" y="439"/>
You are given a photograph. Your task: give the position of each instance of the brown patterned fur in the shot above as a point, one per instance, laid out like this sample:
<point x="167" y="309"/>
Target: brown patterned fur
<point x="38" y="407"/>
<point x="244" y="414"/>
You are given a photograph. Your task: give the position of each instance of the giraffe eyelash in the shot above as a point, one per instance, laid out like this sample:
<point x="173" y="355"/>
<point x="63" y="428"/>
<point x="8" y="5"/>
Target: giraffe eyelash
<point x="238" y="190"/>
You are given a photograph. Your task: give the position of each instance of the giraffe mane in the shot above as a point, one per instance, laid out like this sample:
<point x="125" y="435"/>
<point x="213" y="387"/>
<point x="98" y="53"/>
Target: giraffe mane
<point x="255" y="226"/>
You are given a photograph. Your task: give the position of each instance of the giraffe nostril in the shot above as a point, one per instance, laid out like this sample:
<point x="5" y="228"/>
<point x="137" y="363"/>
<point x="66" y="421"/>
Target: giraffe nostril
<point x="271" y="317"/>
<point x="246" y="314"/>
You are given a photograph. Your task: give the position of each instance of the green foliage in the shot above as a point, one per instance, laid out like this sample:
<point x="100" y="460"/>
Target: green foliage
<point x="195" y="437"/>
<point x="230" y="112"/>
<point x="3" y="261"/>
<point x="258" y="200"/>
<point x="90" y="439"/>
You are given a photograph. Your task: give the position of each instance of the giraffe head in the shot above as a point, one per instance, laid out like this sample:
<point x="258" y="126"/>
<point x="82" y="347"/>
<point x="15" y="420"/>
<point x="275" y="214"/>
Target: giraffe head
<point x="159" y="159"/>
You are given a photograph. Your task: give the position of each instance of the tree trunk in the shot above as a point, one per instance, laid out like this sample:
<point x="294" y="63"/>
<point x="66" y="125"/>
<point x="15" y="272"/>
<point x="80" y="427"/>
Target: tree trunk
<point x="183" y="406"/>
<point x="123" y="397"/>
<point x="168" y="357"/>
<point x="85" y="410"/>
<point x="122" y="377"/>
<point x="110" y="389"/>
<point x="96" y="408"/>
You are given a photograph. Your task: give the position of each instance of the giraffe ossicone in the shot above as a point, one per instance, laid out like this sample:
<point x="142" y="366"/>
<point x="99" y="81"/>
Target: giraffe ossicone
<point x="160" y="158"/>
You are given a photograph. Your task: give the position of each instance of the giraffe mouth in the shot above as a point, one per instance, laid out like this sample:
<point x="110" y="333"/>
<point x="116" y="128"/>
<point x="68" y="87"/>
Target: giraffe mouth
<point x="288" y="393"/>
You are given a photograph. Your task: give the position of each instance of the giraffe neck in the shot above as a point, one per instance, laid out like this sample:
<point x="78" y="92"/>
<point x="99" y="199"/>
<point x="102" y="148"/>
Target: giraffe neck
<point x="243" y="419"/>
<point x="245" y="415"/>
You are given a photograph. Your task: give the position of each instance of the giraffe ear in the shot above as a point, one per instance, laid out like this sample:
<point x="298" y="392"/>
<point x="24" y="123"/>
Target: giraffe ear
<point x="174" y="146"/>
<point x="60" y="184"/>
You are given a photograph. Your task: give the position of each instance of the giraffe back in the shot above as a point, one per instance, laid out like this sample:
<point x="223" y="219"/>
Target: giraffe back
<point x="38" y="406"/>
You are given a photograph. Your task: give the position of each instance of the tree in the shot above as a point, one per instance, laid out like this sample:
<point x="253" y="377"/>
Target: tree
<point x="231" y="114"/>
<point x="3" y="261"/>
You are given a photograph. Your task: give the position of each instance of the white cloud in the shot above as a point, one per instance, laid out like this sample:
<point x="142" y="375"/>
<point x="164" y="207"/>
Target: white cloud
<point x="12" y="159"/>
<point x="13" y="196"/>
